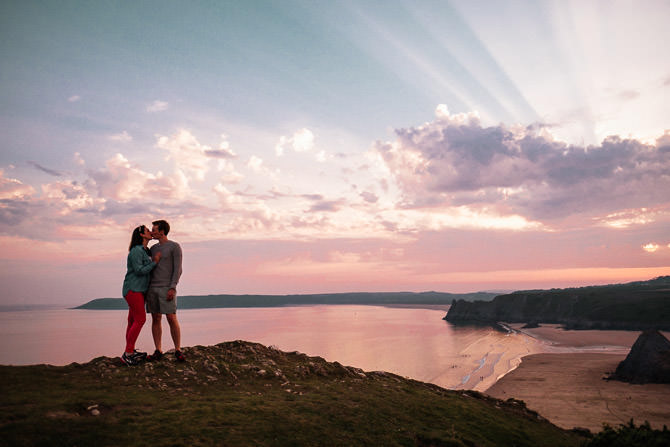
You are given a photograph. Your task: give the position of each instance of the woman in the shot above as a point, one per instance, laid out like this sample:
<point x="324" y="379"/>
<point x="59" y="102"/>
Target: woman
<point x="135" y="283"/>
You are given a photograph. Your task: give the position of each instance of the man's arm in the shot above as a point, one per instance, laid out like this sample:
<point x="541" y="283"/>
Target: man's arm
<point x="176" y="266"/>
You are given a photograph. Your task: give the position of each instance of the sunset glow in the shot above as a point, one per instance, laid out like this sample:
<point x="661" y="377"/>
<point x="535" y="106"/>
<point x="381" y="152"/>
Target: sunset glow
<point x="316" y="147"/>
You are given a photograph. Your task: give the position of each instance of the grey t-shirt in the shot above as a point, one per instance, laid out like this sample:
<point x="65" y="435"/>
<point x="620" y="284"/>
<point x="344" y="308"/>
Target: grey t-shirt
<point x="168" y="270"/>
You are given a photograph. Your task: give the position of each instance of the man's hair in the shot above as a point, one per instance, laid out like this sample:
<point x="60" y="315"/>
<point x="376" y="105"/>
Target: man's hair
<point x="162" y="226"/>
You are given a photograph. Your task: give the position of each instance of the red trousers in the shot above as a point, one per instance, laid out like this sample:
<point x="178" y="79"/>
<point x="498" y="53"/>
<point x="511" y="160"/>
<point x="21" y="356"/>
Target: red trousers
<point x="136" y="318"/>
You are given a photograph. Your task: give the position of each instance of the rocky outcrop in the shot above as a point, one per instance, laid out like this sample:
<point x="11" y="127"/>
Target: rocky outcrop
<point x="648" y="360"/>
<point x="633" y="306"/>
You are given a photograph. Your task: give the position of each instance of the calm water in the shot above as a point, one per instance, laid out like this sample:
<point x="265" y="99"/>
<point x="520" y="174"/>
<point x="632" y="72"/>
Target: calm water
<point x="414" y="343"/>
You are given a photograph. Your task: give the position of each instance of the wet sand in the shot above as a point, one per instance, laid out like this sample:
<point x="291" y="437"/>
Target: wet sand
<point x="556" y="337"/>
<point x="564" y="383"/>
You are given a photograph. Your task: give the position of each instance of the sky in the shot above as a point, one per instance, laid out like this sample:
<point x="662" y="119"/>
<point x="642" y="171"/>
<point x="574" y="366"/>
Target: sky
<point x="334" y="146"/>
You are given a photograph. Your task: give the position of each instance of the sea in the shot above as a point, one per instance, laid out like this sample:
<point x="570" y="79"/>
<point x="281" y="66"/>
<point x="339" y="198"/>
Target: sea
<point x="411" y="342"/>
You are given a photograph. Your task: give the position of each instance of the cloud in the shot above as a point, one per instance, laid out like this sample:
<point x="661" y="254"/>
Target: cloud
<point x="663" y="142"/>
<point x="189" y="155"/>
<point x="11" y="188"/>
<point x="194" y="159"/>
<point x="369" y="197"/>
<point x="122" y="181"/>
<point x="250" y="216"/>
<point x="255" y="163"/>
<point x="219" y="153"/>
<point x="123" y="137"/>
<point x="12" y="213"/>
<point x="330" y="206"/>
<point x="74" y="98"/>
<point x="455" y="161"/>
<point x="69" y="196"/>
<point x="631" y="217"/>
<point x="49" y="171"/>
<point x="650" y="248"/>
<point x="157" y="106"/>
<point x="223" y="152"/>
<point x="301" y="141"/>
<point x="78" y="159"/>
<point x="321" y="156"/>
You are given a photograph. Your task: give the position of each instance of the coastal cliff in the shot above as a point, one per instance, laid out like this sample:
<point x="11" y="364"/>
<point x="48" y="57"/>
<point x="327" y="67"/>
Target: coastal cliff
<point x="633" y="306"/>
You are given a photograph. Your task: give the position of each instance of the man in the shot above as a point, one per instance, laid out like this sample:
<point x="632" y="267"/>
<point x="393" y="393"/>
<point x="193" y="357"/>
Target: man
<point x="161" y="297"/>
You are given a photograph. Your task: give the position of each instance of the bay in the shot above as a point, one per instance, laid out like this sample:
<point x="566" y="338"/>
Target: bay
<point x="411" y="342"/>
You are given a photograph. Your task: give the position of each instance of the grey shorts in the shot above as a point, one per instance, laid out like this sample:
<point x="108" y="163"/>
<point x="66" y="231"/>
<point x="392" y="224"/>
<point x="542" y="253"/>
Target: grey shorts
<point x="157" y="303"/>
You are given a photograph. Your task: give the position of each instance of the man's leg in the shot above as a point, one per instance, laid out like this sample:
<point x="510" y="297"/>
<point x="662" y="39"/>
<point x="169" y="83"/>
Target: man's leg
<point x="157" y="330"/>
<point x="175" y="330"/>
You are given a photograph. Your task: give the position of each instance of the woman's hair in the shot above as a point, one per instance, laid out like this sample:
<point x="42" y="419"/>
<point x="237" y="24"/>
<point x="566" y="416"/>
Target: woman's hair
<point x="136" y="238"/>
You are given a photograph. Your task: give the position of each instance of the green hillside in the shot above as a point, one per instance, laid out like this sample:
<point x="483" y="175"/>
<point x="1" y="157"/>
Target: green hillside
<point x="246" y="394"/>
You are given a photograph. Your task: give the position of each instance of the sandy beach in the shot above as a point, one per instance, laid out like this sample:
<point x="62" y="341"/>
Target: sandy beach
<point x="565" y="383"/>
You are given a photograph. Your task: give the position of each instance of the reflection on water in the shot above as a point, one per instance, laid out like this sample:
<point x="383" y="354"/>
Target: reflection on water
<point x="414" y="343"/>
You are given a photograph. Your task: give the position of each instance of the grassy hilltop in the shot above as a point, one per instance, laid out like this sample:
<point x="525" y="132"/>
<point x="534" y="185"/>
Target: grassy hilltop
<point x="242" y="393"/>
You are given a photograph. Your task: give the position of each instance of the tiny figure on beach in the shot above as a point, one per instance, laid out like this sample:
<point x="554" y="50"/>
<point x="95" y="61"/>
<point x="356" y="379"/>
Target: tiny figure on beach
<point x="135" y="284"/>
<point x="161" y="298"/>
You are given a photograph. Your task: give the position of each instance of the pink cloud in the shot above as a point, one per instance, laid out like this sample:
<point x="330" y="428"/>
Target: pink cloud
<point x="454" y="160"/>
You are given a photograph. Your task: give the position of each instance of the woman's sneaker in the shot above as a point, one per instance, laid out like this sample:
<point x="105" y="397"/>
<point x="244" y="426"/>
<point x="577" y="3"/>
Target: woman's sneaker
<point x="179" y="356"/>
<point x="139" y="355"/>
<point x="129" y="359"/>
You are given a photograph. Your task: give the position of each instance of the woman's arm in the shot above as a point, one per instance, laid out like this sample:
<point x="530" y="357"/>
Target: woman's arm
<point x="138" y="262"/>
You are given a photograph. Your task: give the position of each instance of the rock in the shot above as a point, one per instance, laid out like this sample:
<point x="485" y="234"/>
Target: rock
<point x="648" y="360"/>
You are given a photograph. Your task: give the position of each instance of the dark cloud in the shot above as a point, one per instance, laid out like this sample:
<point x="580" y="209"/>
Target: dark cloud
<point x="327" y="206"/>
<point x="220" y="153"/>
<point x="450" y="162"/>
<point x="13" y="212"/>
<point x="47" y="170"/>
<point x="315" y="197"/>
<point x="369" y="197"/>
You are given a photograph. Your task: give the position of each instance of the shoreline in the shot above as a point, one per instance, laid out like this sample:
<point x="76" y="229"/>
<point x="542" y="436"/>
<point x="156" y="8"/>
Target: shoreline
<point x="495" y="361"/>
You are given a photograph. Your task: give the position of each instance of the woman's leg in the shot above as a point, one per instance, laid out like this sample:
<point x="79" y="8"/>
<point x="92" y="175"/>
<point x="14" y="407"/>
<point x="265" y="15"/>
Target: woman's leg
<point x="130" y="321"/>
<point x="136" y="318"/>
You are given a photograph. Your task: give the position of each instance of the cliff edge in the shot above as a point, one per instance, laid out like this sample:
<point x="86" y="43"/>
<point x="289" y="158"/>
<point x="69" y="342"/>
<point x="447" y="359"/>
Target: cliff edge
<point x="633" y="306"/>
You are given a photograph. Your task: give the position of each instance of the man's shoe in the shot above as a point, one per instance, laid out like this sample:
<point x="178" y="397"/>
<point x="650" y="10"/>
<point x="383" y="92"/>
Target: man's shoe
<point x="179" y="356"/>
<point x="129" y="359"/>
<point x="156" y="356"/>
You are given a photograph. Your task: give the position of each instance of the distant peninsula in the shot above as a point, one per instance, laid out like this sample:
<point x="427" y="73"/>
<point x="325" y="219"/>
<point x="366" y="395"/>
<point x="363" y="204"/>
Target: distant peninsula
<point x="636" y="305"/>
<point x="362" y="298"/>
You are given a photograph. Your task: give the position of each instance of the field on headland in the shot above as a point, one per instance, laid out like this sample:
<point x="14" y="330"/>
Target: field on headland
<point x="241" y="393"/>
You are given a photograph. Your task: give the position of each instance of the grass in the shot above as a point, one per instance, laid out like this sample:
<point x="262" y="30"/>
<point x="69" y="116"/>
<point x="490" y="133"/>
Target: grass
<point x="242" y="393"/>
